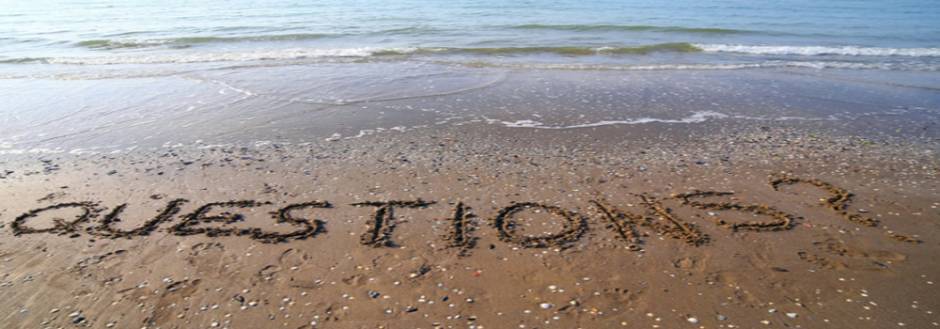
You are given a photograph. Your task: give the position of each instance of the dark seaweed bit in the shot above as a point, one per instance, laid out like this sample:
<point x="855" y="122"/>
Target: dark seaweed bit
<point x="382" y="224"/>
<point x="674" y="227"/>
<point x="89" y="211"/>
<point x="624" y="223"/>
<point x="461" y="229"/>
<point x="838" y="200"/>
<point x="575" y="226"/>
<point x="310" y="228"/>
<point x="781" y="220"/>
<point x="185" y="227"/>
<point x="105" y="228"/>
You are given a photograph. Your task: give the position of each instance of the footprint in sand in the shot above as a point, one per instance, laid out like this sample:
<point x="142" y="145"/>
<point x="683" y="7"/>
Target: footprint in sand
<point x="173" y="294"/>
<point x="210" y="258"/>
<point x="833" y="253"/>
<point x="100" y="266"/>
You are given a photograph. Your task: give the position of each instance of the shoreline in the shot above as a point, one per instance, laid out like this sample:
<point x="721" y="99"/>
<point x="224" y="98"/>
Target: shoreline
<point x="478" y="165"/>
<point x="311" y="103"/>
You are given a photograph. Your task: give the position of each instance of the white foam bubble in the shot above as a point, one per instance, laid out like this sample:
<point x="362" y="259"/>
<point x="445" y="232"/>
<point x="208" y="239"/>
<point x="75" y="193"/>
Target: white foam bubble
<point x="820" y="50"/>
<point x="235" y="56"/>
<point x="696" y="117"/>
<point x="523" y="124"/>
<point x="910" y="66"/>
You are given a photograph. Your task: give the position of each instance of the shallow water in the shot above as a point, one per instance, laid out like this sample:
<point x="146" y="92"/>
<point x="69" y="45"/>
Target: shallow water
<point x="115" y="76"/>
<point x="313" y="102"/>
<point x="636" y="34"/>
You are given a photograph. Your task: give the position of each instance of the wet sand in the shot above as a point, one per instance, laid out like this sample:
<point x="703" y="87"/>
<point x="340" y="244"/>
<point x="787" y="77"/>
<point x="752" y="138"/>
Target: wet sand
<point x="661" y="225"/>
<point x="93" y="109"/>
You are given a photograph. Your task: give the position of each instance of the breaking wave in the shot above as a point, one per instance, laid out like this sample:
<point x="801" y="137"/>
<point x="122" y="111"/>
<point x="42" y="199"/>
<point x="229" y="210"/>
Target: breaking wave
<point x="814" y="57"/>
<point x="820" y="50"/>
<point x="184" y="42"/>
<point x="634" y="28"/>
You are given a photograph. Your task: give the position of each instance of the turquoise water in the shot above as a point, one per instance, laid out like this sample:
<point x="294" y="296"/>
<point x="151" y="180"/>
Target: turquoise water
<point x="634" y="34"/>
<point x="112" y="76"/>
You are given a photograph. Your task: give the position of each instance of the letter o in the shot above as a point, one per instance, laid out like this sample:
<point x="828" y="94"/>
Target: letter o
<point x="89" y="210"/>
<point x="575" y="226"/>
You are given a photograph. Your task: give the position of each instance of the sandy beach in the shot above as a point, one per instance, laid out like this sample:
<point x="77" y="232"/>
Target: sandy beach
<point x="479" y="227"/>
<point x="413" y="164"/>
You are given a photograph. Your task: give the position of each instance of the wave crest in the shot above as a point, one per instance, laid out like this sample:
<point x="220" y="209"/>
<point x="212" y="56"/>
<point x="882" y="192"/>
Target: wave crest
<point x="634" y="28"/>
<point x="820" y="50"/>
<point x="183" y="42"/>
<point x="679" y="47"/>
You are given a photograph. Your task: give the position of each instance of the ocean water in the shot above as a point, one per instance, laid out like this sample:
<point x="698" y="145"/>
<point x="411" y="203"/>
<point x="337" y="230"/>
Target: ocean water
<point x="115" y="76"/>
<point x="566" y="34"/>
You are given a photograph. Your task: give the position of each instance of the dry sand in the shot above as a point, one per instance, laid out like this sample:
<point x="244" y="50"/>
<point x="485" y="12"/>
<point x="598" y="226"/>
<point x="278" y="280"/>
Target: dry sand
<point x="479" y="227"/>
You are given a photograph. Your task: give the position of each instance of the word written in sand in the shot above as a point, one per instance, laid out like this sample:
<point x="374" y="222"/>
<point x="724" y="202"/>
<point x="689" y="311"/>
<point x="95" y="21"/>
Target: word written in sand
<point x="626" y="225"/>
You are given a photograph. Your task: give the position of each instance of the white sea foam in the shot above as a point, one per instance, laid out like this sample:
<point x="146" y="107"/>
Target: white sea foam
<point x="820" y="50"/>
<point x="716" y="67"/>
<point x="696" y="117"/>
<point x="353" y="54"/>
<point x="206" y="57"/>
